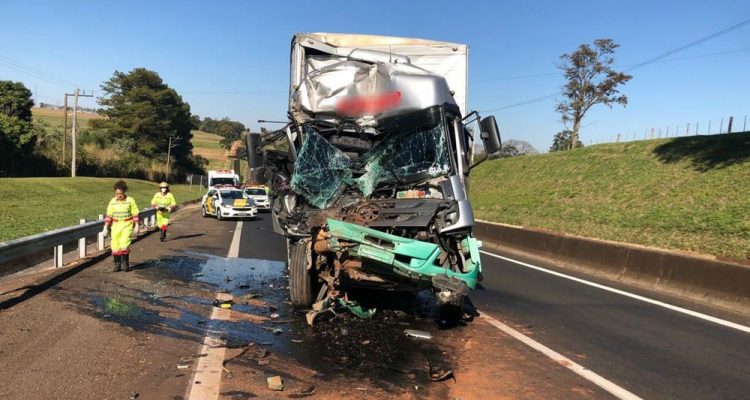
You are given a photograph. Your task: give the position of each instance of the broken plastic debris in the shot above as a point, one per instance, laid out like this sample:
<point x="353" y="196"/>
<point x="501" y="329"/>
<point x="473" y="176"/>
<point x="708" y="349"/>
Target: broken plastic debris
<point x="331" y="305"/>
<point x="438" y="375"/>
<point x="418" y="334"/>
<point x="296" y="340"/>
<point x="183" y="366"/>
<point x="310" y="390"/>
<point x="133" y="395"/>
<point x="275" y="383"/>
<point x="274" y="316"/>
<point x="223" y="304"/>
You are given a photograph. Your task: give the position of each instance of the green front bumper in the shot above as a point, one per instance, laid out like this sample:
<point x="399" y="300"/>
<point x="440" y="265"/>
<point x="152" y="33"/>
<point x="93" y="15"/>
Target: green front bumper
<point x="409" y="257"/>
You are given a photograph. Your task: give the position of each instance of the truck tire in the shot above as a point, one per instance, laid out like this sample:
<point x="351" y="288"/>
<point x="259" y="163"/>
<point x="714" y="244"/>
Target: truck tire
<point x="301" y="282"/>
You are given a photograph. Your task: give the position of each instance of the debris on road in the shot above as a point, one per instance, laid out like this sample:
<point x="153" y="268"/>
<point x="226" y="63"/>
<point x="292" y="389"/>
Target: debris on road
<point x="275" y="383"/>
<point x="439" y="374"/>
<point x="133" y="395"/>
<point x="418" y="334"/>
<point x="183" y="366"/>
<point x="297" y="340"/>
<point x="331" y="305"/>
<point x="223" y="304"/>
<point x="275" y="316"/>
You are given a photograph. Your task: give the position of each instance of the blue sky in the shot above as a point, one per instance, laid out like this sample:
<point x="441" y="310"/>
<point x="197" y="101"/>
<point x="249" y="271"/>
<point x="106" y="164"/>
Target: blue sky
<point x="231" y="58"/>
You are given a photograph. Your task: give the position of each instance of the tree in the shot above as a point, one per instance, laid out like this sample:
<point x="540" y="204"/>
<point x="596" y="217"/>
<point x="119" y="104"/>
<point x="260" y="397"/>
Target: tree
<point x="230" y="130"/>
<point x="591" y="80"/>
<point x="564" y="141"/>
<point x="523" y="147"/>
<point x="142" y="114"/>
<point x="16" y="130"/>
<point x="508" y="150"/>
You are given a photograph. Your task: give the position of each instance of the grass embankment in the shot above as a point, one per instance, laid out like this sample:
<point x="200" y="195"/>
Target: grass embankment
<point x="690" y="193"/>
<point x="35" y="205"/>
<point x="208" y="145"/>
<point x="55" y="118"/>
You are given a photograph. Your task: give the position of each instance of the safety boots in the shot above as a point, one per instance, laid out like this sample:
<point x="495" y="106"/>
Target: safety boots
<point x="118" y="263"/>
<point x="125" y="262"/>
<point x="163" y="235"/>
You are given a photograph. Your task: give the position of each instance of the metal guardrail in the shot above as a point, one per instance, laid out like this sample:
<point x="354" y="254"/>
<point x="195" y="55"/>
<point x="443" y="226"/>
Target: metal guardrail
<point x="55" y="239"/>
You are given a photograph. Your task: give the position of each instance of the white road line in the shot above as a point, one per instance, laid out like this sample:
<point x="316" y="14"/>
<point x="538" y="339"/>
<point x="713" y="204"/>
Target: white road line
<point x="206" y="383"/>
<point x="692" y="313"/>
<point x="589" y="375"/>
<point x="234" y="248"/>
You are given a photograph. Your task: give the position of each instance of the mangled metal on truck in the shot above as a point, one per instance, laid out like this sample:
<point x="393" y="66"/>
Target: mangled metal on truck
<point x="369" y="178"/>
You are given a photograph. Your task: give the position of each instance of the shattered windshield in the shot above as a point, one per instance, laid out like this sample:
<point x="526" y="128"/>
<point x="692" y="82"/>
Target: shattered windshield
<point x="405" y="157"/>
<point x="321" y="170"/>
<point x="409" y="154"/>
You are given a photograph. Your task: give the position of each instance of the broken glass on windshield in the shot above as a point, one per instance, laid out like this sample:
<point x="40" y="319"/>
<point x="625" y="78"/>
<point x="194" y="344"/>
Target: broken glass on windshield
<point x="321" y="170"/>
<point x="406" y="157"/>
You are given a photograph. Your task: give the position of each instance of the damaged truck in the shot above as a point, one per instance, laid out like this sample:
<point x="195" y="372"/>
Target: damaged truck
<point x="368" y="180"/>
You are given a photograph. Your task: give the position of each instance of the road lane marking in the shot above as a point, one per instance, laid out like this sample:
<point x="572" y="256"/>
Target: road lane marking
<point x="206" y="383"/>
<point x="587" y="374"/>
<point x="234" y="248"/>
<point x="692" y="313"/>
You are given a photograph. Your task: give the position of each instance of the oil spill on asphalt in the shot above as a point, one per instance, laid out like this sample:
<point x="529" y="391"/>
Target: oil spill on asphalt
<point x="343" y="346"/>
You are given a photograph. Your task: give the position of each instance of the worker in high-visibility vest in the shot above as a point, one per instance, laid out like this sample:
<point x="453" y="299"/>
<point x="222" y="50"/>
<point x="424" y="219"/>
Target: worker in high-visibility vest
<point x="164" y="203"/>
<point x="122" y="220"/>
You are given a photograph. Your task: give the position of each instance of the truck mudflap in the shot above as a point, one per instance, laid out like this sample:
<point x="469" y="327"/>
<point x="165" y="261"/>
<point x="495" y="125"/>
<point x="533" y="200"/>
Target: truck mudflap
<point x="409" y="257"/>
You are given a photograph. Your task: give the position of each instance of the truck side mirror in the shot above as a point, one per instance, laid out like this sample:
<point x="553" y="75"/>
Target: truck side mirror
<point x="254" y="151"/>
<point x="255" y="160"/>
<point x="490" y="135"/>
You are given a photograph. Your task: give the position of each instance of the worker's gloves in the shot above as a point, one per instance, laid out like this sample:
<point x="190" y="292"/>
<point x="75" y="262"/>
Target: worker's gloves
<point x="136" y="229"/>
<point x="105" y="231"/>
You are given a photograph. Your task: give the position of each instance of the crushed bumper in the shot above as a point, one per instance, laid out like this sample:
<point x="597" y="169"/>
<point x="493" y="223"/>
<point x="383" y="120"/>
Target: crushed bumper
<point x="410" y="257"/>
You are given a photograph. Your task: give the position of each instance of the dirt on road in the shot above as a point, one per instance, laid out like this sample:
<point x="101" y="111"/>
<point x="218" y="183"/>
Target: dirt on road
<point x="87" y="332"/>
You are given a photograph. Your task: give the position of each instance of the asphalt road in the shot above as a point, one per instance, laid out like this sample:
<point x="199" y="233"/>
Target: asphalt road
<point x="111" y="334"/>
<point x="654" y="352"/>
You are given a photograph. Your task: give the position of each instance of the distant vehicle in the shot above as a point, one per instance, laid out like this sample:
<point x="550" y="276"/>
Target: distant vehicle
<point x="227" y="203"/>
<point x="259" y="194"/>
<point x="223" y="178"/>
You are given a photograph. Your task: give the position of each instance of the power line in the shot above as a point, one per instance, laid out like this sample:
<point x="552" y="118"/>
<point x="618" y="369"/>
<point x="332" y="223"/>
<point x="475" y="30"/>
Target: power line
<point x="37" y="73"/>
<point x="638" y="65"/>
<point x="718" y="53"/>
<point x="691" y="44"/>
<point x="234" y="92"/>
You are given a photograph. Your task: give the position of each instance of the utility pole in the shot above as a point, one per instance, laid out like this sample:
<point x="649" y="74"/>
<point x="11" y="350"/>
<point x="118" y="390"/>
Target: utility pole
<point x="65" y="127"/>
<point x="74" y="130"/>
<point x="169" y="153"/>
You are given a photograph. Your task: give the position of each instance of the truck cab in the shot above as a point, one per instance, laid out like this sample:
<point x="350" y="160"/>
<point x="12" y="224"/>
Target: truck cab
<point x="368" y="180"/>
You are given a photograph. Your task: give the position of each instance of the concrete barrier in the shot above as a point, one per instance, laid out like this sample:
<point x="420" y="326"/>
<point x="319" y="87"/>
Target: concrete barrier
<point x="712" y="281"/>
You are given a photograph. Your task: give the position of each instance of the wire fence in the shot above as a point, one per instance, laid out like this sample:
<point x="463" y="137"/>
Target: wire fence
<point x="197" y="182"/>
<point x="718" y="126"/>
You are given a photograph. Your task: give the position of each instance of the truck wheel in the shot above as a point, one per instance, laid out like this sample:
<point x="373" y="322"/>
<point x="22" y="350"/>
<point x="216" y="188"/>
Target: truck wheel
<point x="300" y="279"/>
<point x="454" y="310"/>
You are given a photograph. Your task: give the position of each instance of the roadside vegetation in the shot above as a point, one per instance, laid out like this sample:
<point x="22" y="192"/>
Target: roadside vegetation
<point x="36" y="205"/>
<point x="688" y="193"/>
<point x="208" y="146"/>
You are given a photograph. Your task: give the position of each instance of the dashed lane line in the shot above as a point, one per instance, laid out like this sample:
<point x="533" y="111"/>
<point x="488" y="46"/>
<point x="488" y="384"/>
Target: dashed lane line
<point x="206" y="383"/>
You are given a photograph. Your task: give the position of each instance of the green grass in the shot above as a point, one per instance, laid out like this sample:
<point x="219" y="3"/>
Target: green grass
<point x="208" y="145"/>
<point x="690" y="193"/>
<point x="35" y="205"/>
